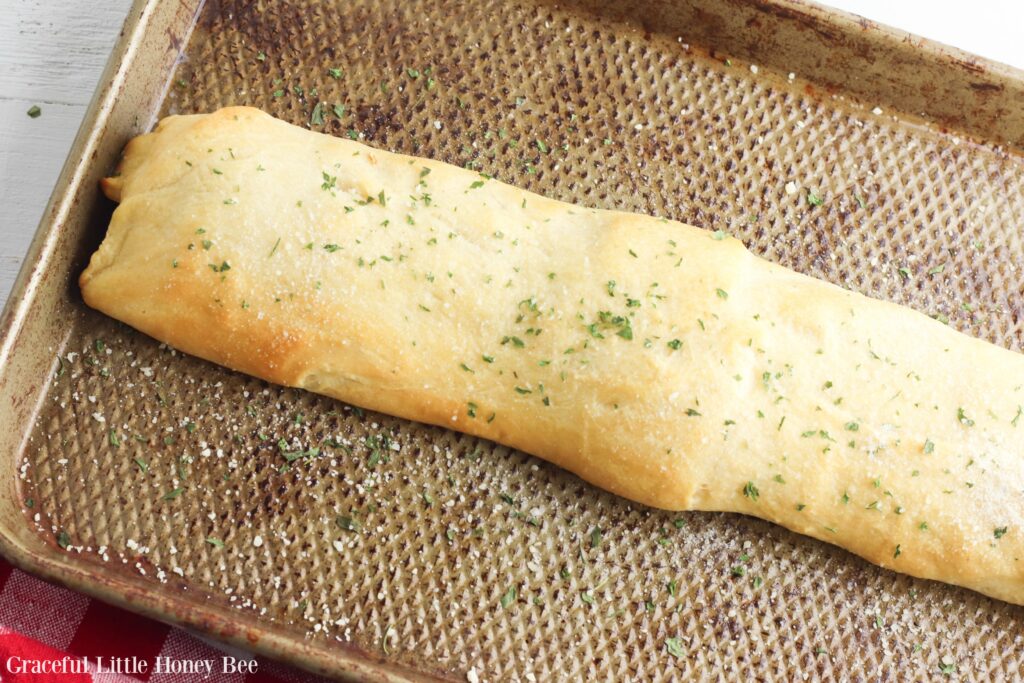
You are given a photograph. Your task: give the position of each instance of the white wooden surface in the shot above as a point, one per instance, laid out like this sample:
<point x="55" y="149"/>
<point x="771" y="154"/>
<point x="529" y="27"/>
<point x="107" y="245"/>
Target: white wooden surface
<point x="52" y="53"/>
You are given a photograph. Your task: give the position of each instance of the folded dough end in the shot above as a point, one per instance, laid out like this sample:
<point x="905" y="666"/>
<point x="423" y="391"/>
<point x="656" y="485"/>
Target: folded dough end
<point x="111" y="187"/>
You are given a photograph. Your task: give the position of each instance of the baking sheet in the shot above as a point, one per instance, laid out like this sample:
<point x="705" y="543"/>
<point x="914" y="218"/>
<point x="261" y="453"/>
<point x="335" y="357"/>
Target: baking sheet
<point x="400" y="551"/>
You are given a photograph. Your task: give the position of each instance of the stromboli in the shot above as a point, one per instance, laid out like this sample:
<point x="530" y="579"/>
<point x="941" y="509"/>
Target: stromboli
<point x="657" y="360"/>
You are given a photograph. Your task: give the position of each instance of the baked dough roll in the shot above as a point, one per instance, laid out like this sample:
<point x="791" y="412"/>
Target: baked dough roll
<point x="657" y="360"/>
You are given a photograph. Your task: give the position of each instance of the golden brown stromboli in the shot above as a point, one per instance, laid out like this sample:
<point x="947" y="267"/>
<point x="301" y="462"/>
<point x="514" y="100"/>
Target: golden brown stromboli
<point x="657" y="360"/>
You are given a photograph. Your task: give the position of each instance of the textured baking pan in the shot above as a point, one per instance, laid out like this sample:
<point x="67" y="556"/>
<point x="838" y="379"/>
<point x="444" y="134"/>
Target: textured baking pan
<point x="359" y="545"/>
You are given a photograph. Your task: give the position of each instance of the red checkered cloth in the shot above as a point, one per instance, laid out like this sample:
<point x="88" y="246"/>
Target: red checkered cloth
<point x="46" y="623"/>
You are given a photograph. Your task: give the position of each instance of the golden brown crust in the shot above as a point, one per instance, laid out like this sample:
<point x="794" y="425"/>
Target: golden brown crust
<point x="649" y="357"/>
